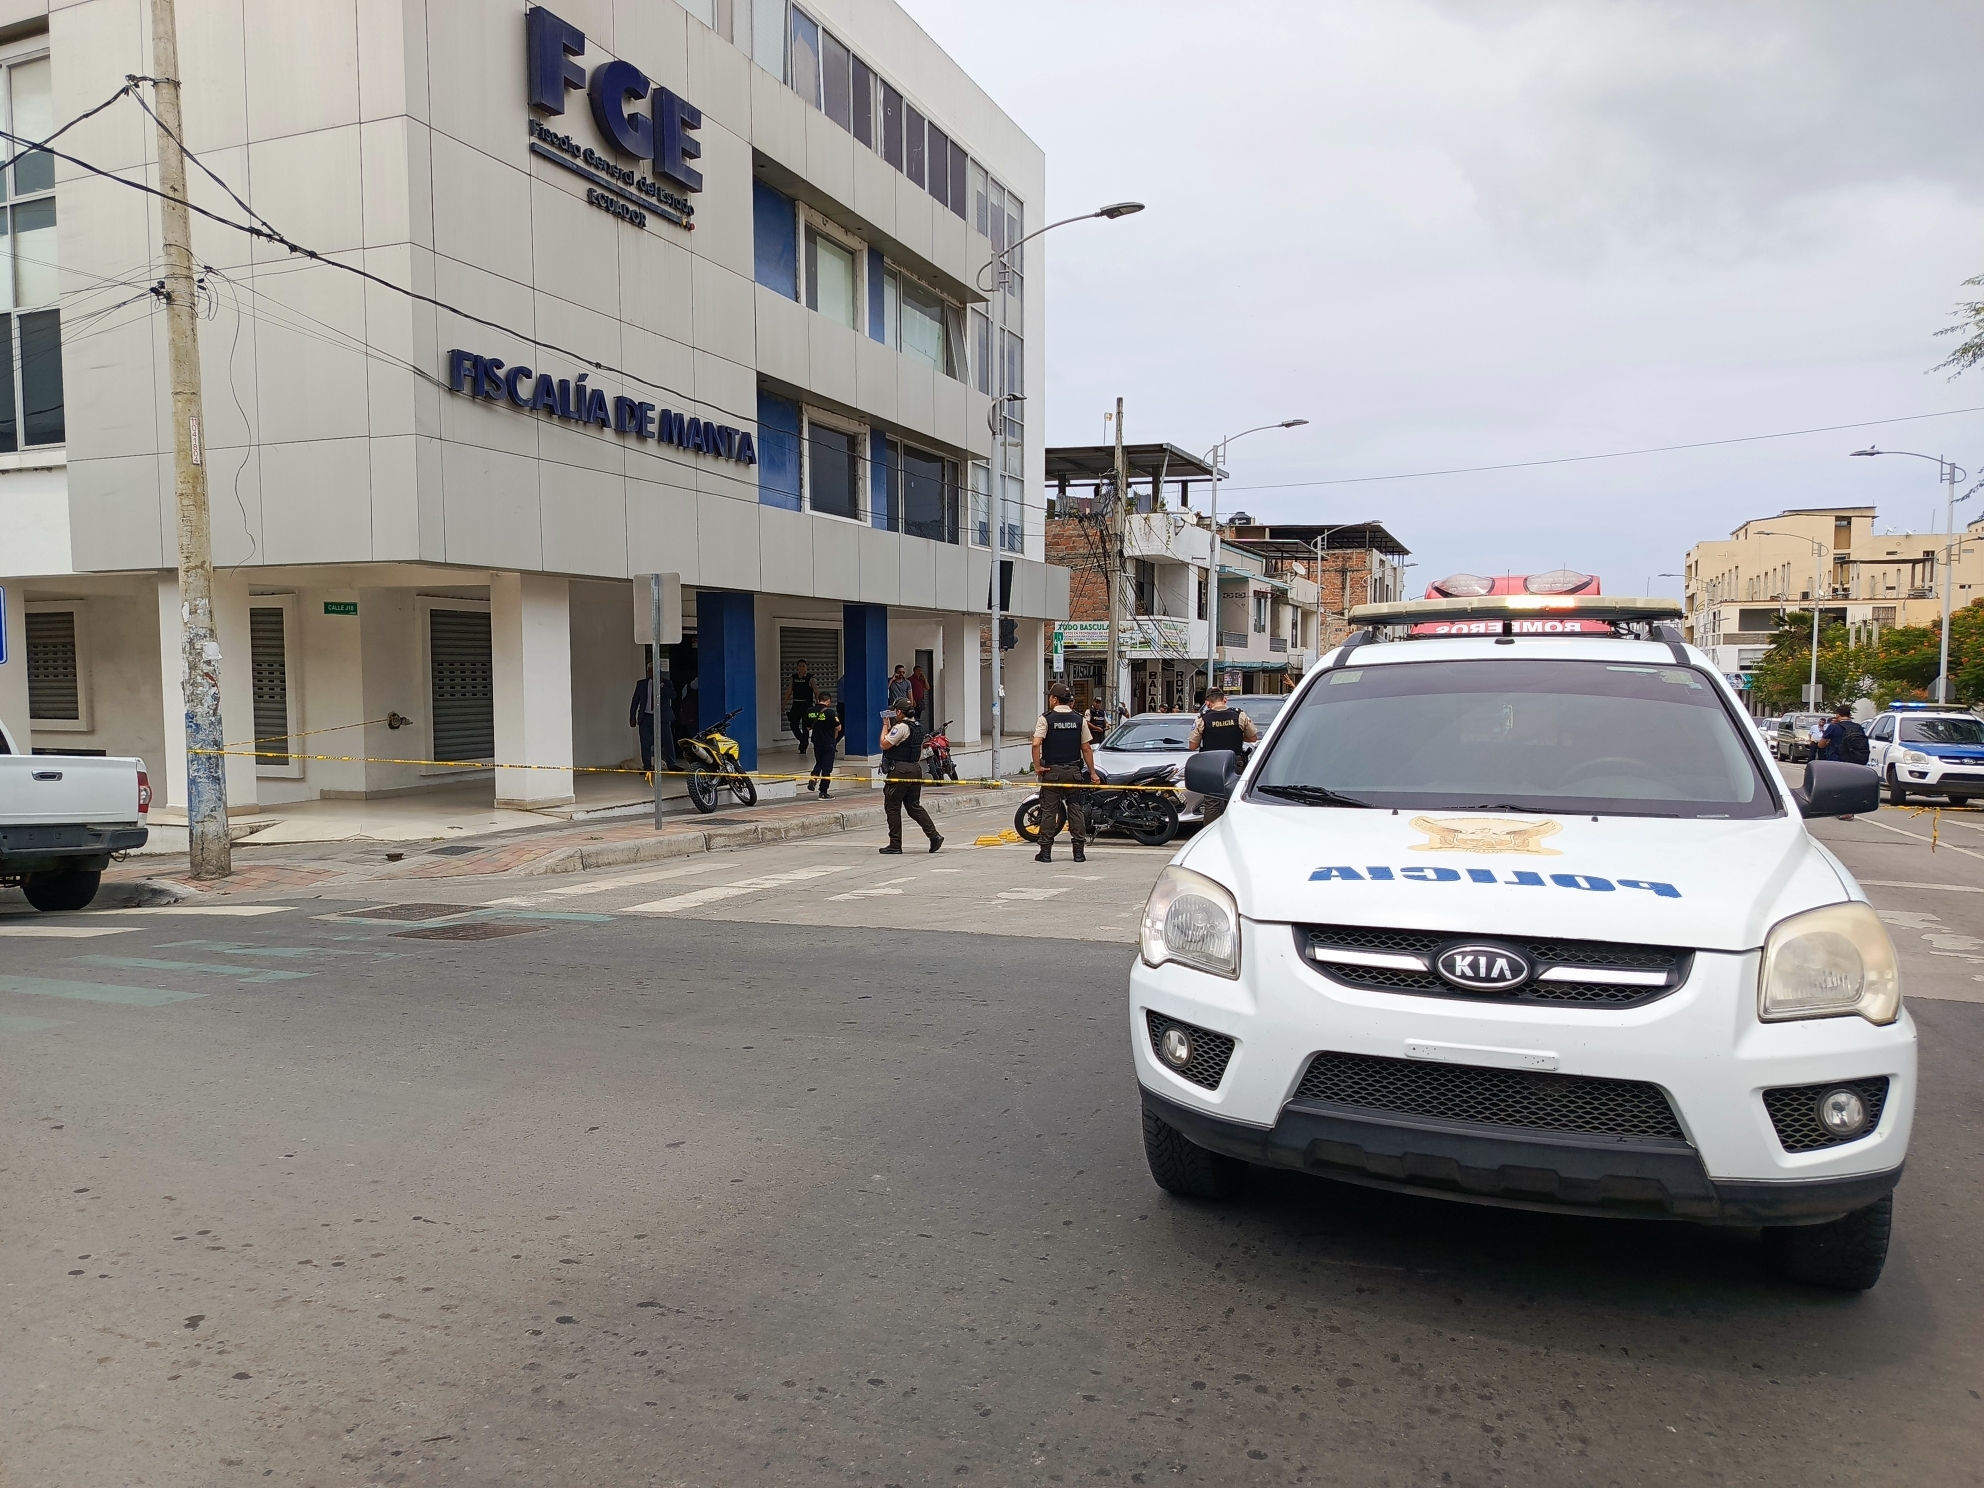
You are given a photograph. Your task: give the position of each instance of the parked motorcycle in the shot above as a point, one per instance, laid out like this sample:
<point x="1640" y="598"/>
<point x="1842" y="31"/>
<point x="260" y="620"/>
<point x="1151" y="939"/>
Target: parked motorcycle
<point x="716" y="767"/>
<point x="1149" y="816"/>
<point x="938" y="764"/>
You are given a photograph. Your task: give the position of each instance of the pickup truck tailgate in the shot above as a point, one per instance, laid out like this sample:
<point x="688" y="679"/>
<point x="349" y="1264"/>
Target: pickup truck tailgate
<point x="37" y="789"/>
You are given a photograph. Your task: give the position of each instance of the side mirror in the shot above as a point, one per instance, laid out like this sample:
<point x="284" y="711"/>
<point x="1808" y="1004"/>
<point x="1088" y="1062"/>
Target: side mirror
<point x="1834" y="788"/>
<point x="1213" y="773"/>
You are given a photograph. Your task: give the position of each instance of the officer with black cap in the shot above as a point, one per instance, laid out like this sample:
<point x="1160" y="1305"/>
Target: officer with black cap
<point x="902" y="759"/>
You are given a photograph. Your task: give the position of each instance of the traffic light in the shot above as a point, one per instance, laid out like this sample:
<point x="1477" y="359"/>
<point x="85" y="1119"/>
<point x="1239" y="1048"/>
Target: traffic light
<point x="1009" y="634"/>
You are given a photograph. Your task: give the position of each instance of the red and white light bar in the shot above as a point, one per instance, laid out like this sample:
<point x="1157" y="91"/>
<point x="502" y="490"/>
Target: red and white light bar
<point x="1516" y="614"/>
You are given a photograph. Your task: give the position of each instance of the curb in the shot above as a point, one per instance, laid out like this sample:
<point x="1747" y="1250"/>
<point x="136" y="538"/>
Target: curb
<point x="140" y="893"/>
<point x="687" y="844"/>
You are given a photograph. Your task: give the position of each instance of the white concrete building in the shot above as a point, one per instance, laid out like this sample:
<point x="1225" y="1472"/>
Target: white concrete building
<point x="696" y="292"/>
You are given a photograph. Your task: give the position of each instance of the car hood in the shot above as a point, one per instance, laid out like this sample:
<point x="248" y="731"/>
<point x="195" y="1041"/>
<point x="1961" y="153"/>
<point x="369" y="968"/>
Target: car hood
<point x="1712" y="885"/>
<point x="1966" y="752"/>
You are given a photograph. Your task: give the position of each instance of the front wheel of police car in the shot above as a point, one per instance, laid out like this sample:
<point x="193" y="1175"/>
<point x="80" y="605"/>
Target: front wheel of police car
<point x="1529" y="920"/>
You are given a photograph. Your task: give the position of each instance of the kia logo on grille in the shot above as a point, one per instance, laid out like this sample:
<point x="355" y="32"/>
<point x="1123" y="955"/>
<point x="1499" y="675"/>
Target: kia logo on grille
<point x="1483" y="968"/>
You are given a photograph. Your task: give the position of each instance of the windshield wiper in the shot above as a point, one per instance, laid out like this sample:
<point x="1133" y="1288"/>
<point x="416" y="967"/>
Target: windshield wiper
<point x="1310" y="795"/>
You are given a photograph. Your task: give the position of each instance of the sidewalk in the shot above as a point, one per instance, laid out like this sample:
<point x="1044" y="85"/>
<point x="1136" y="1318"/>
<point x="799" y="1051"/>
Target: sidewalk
<point x="533" y="852"/>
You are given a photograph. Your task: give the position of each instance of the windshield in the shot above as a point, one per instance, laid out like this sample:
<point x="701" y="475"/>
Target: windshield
<point x="1260" y="709"/>
<point x="1157" y="735"/>
<point x="1942" y="731"/>
<point x="1518" y="735"/>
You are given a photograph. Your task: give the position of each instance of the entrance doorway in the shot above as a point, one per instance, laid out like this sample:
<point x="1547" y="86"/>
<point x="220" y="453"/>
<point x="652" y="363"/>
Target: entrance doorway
<point x="926" y="661"/>
<point x="460" y="690"/>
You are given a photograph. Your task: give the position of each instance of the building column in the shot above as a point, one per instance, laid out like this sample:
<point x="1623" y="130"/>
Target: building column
<point x="14" y="664"/>
<point x="237" y="700"/>
<point x="530" y="652"/>
<point x="864" y="676"/>
<point x="958" y="688"/>
<point x="1026" y="678"/>
<point x="727" y="667"/>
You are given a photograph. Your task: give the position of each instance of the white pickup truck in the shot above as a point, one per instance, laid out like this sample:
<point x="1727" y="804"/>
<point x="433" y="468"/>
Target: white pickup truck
<point x="62" y="816"/>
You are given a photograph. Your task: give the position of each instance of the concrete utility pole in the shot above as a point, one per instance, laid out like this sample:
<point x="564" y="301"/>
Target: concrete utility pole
<point x="1113" y="563"/>
<point x="206" y="767"/>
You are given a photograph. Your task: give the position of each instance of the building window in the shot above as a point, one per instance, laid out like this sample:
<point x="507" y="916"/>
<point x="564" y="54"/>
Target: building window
<point x="833" y="471"/>
<point x="31" y="401"/>
<point x="774" y="233"/>
<point x="981" y="351"/>
<point x="937" y="172"/>
<point x="832" y="286"/>
<point x="1260" y="614"/>
<point x="927" y="491"/>
<point x="836" y="81"/>
<point x="803" y="63"/>
<point x="912" y="144"/>
<point x="1144" y="576"/>
<point x="862" y="121"/>
<point x="923" y="324"/>
<point x="57" y="695"/>
<point x="981" y="504"/>
<point x="892" y="126"/>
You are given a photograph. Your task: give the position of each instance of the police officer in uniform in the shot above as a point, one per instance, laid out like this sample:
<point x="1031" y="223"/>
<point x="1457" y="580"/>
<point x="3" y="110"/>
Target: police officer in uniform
<point x="801" y="701"/>
<point x="825" y="730"/>
<point x="1062" y="756"/>
<point x="1220" y="727"/>
<point x="902" y="756"/>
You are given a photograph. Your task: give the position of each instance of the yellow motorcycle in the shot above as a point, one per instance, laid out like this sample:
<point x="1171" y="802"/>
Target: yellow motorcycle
<point x="716" y="766"/>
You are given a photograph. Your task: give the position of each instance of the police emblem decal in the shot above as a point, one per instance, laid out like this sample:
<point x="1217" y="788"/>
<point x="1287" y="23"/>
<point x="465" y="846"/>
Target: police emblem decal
<point x="1485" y="834"/>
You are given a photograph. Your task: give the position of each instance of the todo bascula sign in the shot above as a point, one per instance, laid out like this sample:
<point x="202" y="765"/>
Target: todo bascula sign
<point x="664" y="135"/>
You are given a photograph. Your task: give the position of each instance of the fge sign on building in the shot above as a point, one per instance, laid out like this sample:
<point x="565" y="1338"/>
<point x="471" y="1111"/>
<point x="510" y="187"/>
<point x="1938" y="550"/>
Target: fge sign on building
<point x="616" y="89"/>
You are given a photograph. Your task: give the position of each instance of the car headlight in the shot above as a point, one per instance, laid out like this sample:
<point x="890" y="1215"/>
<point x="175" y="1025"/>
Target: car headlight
<point x="1914" y="757"/>
<point x="1191" y="920"/>
<point x="1826" y="963"/>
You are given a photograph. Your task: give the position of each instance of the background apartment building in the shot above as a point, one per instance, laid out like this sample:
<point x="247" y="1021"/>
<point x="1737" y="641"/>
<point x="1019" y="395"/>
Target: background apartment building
<point x="1281" y="590"/>
<point x="1738" y="588"/>
<point x="721" y="320"/>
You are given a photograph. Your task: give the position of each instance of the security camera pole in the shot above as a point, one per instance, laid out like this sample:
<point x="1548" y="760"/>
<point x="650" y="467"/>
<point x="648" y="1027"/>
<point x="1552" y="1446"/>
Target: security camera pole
<point x="206" y="767"/>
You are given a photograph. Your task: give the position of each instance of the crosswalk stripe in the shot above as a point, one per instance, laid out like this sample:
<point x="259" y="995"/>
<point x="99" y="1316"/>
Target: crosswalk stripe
<point x="94" y="991"/>
<point x="716" y="892"/>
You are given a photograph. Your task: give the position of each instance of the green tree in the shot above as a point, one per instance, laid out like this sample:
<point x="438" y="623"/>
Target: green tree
<point x="1907" y="657"/>
<point x="1846" y="671"/>
<point x="1971" y="328"/>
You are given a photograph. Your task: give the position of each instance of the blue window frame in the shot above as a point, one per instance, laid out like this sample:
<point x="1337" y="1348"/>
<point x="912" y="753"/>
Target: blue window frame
<point x="778" y="451"/>
<point x="775" y="236"/>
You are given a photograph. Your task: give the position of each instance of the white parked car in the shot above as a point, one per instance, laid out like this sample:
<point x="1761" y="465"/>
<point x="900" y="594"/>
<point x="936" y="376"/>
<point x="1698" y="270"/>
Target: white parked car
<point x="1927" y="749"/>
<point x="61" y="818"/>
<point x="1530" y="920"/>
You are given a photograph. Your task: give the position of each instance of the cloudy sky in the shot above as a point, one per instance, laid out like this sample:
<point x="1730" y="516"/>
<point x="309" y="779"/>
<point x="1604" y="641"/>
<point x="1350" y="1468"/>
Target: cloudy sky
<point x="1469" y="233"/>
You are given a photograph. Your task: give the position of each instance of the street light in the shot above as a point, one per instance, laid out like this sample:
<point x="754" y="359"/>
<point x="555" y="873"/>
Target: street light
<point x="1819" y="551"/>
<point x="1000" y="268"/>
<point x="1217" y="459"/>
<point x="1946" y="581"/>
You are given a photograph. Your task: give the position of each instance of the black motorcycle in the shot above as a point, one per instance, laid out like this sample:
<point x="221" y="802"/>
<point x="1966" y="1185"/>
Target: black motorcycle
<point x="1149" y="816"/>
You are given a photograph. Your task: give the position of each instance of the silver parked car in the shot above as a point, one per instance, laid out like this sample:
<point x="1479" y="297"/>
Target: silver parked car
<point x="1159" y="739"/>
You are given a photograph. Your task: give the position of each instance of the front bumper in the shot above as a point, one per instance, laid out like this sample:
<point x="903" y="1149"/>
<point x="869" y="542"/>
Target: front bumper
<point x="1537" y="1170"/>
<point x="1702" y="1046"/>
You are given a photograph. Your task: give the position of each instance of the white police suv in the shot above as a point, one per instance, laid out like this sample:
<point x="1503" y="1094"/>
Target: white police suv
<point x="1530" y="919"/>
<point x="1927" y="749"/>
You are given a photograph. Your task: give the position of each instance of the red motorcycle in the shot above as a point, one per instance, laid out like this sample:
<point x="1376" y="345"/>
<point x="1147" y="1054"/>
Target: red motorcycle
<point x="938" y="764"/>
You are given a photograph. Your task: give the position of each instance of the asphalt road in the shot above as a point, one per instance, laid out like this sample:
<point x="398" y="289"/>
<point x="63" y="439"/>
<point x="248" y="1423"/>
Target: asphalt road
<point x="738" y="1176"/>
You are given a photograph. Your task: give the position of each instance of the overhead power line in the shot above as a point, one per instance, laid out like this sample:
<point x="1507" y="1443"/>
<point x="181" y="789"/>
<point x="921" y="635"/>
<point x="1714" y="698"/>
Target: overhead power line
<point x="1658" y="449"/>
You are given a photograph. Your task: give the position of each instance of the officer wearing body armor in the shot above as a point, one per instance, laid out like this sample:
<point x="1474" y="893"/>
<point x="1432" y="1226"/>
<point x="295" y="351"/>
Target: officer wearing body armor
<point x="902" y="762"/>
<point x="1062" y="756"/>
<point x="1220" y="727"/>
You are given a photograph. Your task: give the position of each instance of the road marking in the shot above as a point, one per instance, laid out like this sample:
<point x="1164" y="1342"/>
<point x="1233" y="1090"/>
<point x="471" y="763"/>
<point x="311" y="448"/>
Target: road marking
<point x="152" y="963"/>
<point x="1888" y="883"/>
<point x="1968" y="853"/>
<point x="19" y="1023"/>
<point x="94" y="991"/>
<point x="64" y="932"/>
<point x="1043" y="893"/>
<point x="600" y="886"/>
<point x="210" y="909"/>
<point x="237" y="948"/>
<point x="881" y="890"/>
<point x="699" y="897"/>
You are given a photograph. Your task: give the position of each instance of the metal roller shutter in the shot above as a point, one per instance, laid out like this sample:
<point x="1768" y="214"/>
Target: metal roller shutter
<point x="819" y="649"/>
<point x="464" y="709"/>
<point x="268" y="670"/>
<point x="54" y="684"/>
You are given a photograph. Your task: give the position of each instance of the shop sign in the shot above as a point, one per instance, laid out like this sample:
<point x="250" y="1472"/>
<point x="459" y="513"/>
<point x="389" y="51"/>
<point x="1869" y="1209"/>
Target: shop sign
<point x="1139" y="633"/>
<point x="663" y="136"/>
<point x="570" y="399"/>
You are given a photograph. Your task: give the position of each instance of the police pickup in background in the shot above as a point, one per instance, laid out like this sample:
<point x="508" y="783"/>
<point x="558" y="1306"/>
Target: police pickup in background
<point x="62" y="816"/>
<point x="1927" y="749"/>
<point x="1523" y="916"/>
